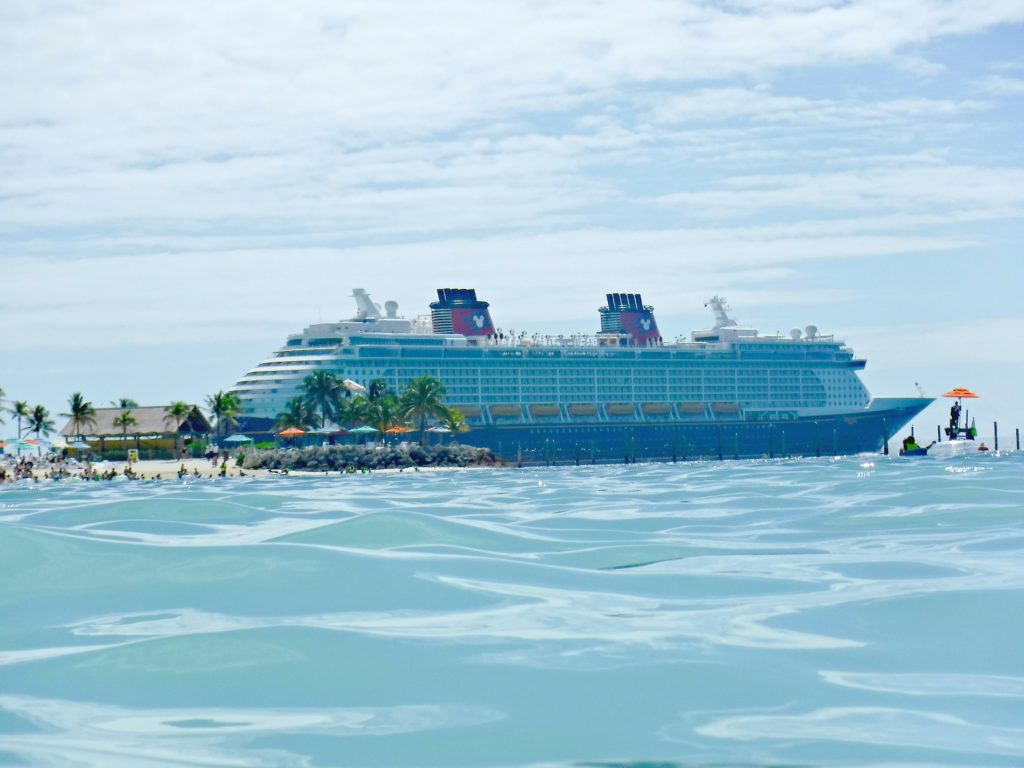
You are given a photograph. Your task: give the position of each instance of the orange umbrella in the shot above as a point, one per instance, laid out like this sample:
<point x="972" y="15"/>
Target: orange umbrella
<point x="960" y="392"/>
<point x="397" y="430"/>
<point x="290" y="432"/>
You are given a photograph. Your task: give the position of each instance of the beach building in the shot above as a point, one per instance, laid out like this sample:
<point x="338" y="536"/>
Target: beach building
<point x="150" y="431"/>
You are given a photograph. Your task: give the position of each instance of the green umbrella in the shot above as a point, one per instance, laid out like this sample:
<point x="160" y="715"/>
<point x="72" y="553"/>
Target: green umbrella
<point x="366" y="429"/>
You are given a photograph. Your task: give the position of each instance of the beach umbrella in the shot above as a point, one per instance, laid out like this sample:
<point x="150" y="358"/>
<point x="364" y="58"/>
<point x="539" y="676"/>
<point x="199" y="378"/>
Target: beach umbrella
<point x="290" y="432"/>
<point x="238" y="439"/>
<point x="960" y="392"/>
<point x="37" y="444"/>
<point x="439" y="430"/>
<point x="352" y="386"/>
<point x="397" y="430"/>
<point x="79" y="445"/>
<point x="366" y="429"/>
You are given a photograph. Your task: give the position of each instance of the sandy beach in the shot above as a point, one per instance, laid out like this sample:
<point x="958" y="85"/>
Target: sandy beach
<point x="153" y="469"/>
<point x="167" y="469"/>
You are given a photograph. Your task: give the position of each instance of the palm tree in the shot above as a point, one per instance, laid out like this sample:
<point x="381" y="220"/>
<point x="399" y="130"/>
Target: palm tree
<point x="350" y="411"/>
<point x="454" y="421"/>
<point x="174" y="415"/>
<point x="124" y="402"/>
<point x="124" y="421"/>
<point x="224" y="406"/>
<point x="422" y="399"/>
<point x="20" y="411"/>
<point x="39" y="421"/>
<point x="298" y="415"/>
<point x="382" y="412"/>
<point x="377" y="389"/>
<point x="322" y="391"/>
<point x="81" y="413"/>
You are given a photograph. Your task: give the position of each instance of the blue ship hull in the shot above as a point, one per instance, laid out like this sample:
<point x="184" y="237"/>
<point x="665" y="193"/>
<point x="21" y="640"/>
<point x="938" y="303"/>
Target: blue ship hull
<point x="864" y="432"/>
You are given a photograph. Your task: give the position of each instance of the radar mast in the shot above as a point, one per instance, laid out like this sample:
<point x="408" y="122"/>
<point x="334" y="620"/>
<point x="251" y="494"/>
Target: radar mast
<point x="720" y="308"/>
<point x="365" y="308"/>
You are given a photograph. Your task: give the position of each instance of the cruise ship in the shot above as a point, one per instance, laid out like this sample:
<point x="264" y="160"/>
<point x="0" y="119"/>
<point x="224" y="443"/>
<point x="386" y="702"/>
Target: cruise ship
<point x="622" y="393"/>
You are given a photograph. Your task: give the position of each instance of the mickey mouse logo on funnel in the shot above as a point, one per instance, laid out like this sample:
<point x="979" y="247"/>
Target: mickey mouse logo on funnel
<point x="458" y="310"/>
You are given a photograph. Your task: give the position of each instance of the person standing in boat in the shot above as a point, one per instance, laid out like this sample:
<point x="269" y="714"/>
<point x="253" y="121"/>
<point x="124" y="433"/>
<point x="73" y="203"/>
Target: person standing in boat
<point x="954" y="416"/>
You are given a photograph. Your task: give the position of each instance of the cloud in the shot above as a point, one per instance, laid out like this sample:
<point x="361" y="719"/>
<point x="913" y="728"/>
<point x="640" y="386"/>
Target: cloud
<point x="197" y="157"/>
<point x="251" y="294"/>
<point x="959" y="344"/>
<point x="759" y="105"/>
<point x="1001" y="85"/>
<point x="999" y="192"/>
<point x="104" y="95"/>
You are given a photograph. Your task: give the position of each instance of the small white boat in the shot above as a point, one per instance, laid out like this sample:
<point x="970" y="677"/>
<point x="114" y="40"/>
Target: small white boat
<point x="959" y="447"/>
<point x="961" y="440"/>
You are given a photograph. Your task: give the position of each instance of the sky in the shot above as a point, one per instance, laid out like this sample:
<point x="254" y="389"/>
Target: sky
<point x="184" y="184"/>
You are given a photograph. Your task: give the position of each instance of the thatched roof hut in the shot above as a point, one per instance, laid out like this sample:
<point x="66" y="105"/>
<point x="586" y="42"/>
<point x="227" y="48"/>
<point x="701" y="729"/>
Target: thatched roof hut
<point x="149" y="420"/>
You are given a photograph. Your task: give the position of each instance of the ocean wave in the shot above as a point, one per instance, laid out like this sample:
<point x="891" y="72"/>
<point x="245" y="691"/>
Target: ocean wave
<point x="751" y="612"/>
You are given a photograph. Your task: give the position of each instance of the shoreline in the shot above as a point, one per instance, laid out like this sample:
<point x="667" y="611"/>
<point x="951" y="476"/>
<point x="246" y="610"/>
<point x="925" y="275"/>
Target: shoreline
<point x="149" y="470"/>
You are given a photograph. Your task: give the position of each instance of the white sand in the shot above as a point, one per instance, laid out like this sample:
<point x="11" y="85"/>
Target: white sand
<point x="167" y="469"/>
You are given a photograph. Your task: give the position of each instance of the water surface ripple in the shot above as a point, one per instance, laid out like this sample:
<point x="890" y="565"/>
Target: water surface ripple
<point x="853" y="611"/>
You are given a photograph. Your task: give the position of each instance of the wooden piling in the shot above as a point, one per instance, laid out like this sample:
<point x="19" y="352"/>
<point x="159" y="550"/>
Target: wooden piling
<point x="1018" y="438"/>
<point x="995" y="432"/>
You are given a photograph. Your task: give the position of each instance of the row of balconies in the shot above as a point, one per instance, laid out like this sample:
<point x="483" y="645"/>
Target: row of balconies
<point x="542" y="413"/>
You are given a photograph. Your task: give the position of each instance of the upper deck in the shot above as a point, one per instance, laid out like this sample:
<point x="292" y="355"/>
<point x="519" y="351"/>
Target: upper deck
<point x="625" y="362"/>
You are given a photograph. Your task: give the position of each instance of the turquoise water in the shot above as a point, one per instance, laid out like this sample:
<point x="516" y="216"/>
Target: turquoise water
<point x="858" y="611"/>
